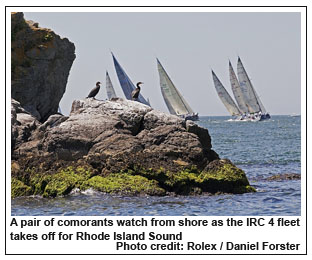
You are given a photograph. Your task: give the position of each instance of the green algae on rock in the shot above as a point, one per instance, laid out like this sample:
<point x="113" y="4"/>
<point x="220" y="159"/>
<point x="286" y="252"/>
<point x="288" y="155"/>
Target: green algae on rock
<point x="50" y="185"/>
<point x="125" y="184"/>
<point x="222" y="177"/>
<point x="63" y="182"/>
<point x="18" y="188"/>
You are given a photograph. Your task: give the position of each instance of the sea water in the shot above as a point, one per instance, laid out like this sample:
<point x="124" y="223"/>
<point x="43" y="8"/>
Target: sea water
<point x="261" y="149"/>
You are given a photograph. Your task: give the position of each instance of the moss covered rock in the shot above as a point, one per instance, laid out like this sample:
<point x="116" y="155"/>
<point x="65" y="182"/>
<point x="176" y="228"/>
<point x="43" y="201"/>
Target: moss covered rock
<point x="63" y="182"/>
<point x="51" y="185"/>
<point x="18" y="188"/>
<point x="126" y="184"/>
<point x="224" y="177"/>
<point x="220" y="177"/>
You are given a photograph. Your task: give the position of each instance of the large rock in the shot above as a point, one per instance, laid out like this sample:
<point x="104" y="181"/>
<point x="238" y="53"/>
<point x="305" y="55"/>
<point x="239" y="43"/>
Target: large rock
<point x="129" y="133"/>
<point x="22" y="125"/>
<point x="121" y="146"/>
<point x="41" y="61"/>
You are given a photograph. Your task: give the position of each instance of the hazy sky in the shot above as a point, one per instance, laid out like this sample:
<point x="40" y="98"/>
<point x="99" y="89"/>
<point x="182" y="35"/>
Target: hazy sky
<point x="188" y="45"/>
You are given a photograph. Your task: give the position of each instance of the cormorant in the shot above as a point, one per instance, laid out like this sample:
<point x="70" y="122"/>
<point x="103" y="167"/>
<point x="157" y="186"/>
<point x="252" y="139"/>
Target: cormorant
<point x="135" y="93"/>
<point x="94" y="91"/>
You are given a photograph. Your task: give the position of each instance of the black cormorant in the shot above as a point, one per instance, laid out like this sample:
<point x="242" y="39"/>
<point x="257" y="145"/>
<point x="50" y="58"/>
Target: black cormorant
<point x="94" y="91"/>
<point x="135" y="93"/>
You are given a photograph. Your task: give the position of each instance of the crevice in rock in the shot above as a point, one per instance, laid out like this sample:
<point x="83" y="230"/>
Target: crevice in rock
<point x="140" y="128"/>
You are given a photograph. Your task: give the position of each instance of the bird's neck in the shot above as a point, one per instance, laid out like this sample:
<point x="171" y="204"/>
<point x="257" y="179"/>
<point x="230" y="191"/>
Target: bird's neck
<point x="138" y="87"/>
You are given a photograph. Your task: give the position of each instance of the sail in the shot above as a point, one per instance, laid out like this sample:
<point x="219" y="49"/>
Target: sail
<point x="225" y="97"/>
<point x="109" y="87"/>
<point x="125" y="83"/>
<point x="148" y="101"/>
<point x="263" y="111"/>
<point x="237" y="91"/>
<point x="176" y="104"/>
<point x="247" y="88"/>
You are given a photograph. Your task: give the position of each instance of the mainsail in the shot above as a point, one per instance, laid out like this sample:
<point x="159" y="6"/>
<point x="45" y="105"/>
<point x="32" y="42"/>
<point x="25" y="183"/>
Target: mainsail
<point x="176" y="104"/>
<point x="225" y="97"/>
<point x="237" y="91"/>
<point x="125" y="83"/>
<point x="109" y="87"/>
<point x="252" y="99"/>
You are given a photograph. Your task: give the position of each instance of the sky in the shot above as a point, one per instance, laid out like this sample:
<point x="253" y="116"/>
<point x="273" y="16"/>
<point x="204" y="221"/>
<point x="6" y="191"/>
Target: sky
<point x="189" y="45"/>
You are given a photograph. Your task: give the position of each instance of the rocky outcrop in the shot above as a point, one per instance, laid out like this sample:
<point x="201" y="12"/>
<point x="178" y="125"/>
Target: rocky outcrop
<point x="284" y="177"/>
<point x="121" y="146"/>
<point x="116" y="146"/>
<point x="41" y="61"/>
<point x="22" y="124"/>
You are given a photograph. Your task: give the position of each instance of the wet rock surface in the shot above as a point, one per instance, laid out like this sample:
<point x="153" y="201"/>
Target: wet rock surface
<point x="284" y="177"/>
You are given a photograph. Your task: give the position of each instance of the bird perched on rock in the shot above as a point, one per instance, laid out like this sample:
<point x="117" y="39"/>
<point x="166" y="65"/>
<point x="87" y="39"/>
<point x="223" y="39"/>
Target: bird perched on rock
<point x="94" y="91"/>
<point x="135" y="93"/>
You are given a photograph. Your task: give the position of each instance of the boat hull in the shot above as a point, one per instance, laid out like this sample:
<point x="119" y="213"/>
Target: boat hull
<point x="265" y="117"/>
<point x="251" y="118"/>
<point x="194" y="117"/>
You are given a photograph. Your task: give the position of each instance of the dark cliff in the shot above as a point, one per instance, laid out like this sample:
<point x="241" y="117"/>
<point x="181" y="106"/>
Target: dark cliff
<point x="40" y="65"/>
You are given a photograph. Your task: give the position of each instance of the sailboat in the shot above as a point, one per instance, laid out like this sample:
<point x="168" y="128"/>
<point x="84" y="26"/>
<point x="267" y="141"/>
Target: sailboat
<point x="250" y="95"/>
<point x="109" y="88"/>
<point x="225" y="97"/>
<point x="175" y="102"/>
<point x="125" y="83"/>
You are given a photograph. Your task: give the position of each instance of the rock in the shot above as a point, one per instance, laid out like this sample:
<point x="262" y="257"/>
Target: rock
<point x="284" y="177"/>
<point x="22" y="125"/>
<point x="41" y="62"/>
<point x="122" y="147"/>
<point x="18" y="189"/>
<point x="202" y="133"/>
<point x="53" y="120"/>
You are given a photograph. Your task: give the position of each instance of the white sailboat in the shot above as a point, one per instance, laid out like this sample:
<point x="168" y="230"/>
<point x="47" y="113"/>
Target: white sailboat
<point x="250" y="95"/>
<point x="225" y="97"/>
<point x="109" y="88"/>
<point x="175" y="102"/>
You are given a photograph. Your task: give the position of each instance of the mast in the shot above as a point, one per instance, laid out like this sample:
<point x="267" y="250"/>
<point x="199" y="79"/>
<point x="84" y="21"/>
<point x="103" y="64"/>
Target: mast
<point x="174" y="100"/>
<point x="225" y="96"/>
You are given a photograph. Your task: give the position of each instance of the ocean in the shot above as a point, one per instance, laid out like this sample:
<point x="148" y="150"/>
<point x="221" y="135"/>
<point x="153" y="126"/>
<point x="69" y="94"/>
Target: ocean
<point x="261" y="149"/>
